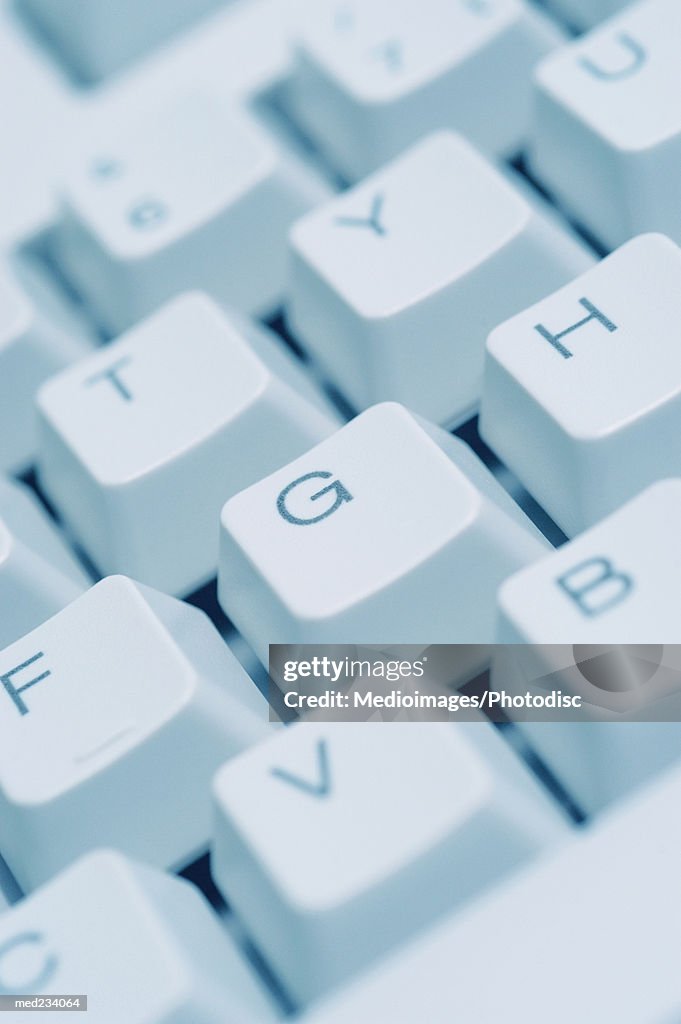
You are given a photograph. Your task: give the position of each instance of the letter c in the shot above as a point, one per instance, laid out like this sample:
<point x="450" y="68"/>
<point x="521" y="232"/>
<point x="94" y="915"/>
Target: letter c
<point x="48" y="968"/>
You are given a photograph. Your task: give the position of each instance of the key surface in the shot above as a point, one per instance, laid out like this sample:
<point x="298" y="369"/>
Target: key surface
<point x="618" y="582"/>
<point x="453" y="248"/>
<point x="38" y="573"/>
<point x="144" y="441"/>
<point x="114" y="715"/>
<point x="312" y="852"/>
<point x="346" y="544"/>
<point x="39" y="335"/>
<point x="142" y="946"/>
<point x="189" y="192"/>
<point x="372" y="77"/>
<point x="582" y="391"/>
<point x="586" y="906"/>
<point x="97" y="38"/>
<point x="607" y="132"/>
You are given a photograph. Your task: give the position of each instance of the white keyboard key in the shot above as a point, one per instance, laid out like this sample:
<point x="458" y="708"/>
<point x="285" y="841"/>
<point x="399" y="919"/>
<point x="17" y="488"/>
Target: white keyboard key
<point x="37" y="338"/>
<point x="144" y="947"/>
<point x="97" y="38"/>
<point x="619" y="582"/>
<point x="373" y="76"/>
<point x="39" y="128"/>
<point x="582" y="392"/>
<point x="38" y="573"/>
<point x="243" y="52"/>
<point x="312" y="852"/>
<point x="114" y="715"/>
<point x="391" y="531"/>
<point x="608" y="905"/>
<point x="452" y="249"/>
<point x="191" y="195"/>
<point x="585" y="13"/>
<point x="144" y="441"/>
<point x="607" y="137"/>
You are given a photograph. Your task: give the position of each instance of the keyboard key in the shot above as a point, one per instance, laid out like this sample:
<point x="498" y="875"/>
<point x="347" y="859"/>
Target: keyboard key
<point x="193" y="195"/>
<point x="39" y="127"/>
<point x="114" y="715"/>
<point x="582" y="393"/>
<point x="607" y="905"/>
<point x="144" y="947"/>
<point x="38" y="337"/>
<point x="38" y="574"/>
<point x="607" y="136"/>
<point x="373" y="76"/>
<point x="618" y="581"/>
<point x="97" y="38"/>
<point x="144" y="441"/>
<point x="243" y="53"/>
<point x="238" y="54"/>
<point x="585" y="13"/>
<point x="369" y="537"/>
<point x="312" y="852"/>
<point x="452" y="248"/>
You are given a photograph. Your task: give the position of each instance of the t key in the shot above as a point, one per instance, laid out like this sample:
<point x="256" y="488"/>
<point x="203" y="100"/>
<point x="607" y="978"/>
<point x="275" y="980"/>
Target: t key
<point x="143" y="442"/>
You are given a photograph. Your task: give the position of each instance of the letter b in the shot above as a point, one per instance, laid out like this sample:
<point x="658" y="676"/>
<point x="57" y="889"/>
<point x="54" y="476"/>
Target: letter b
<point x="595" y="586"/>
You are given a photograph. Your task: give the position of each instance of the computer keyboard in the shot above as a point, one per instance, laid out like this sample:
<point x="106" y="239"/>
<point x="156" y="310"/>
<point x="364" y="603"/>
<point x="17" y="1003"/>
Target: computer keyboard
<point x="263" y="263"/>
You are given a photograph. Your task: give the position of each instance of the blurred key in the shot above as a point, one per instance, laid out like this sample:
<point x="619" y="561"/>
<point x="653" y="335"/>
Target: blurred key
<point x="607" y="136"/>
<point x="582" y="392"/>
<point x="40" y="130"/>
<point x="373" y="76"/>
<point x="606" y="910"/>
<point x="390" y="531"/>
<point x="396" y="283"/>
<point x="143" y="947"/>
<point x="242" y="52"/>
<point x="96" y="37"/>
<point x="585" y="13"/>
<point x="189" y="195"/>
<point x="144" y="441"/>
<point x="38" y="336"/>
<point x="114" y="716"/>
<point x="617" y="582"/>
<point x="314" y="852"/>
<point x="38" y="573"/>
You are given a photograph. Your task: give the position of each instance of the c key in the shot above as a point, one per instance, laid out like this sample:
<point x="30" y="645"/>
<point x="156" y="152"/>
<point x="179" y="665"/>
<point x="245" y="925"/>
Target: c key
<point x="138" y="945"/>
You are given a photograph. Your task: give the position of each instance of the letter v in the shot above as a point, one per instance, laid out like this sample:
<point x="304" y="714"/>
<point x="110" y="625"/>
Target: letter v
<point x="372" y="222"/>
<point x="321" y="787"/>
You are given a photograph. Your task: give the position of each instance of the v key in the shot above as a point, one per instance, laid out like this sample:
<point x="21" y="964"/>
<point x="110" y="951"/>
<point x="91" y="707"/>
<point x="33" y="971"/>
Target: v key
<point x="373" y="221"/>
<point x="321" y="786"/>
